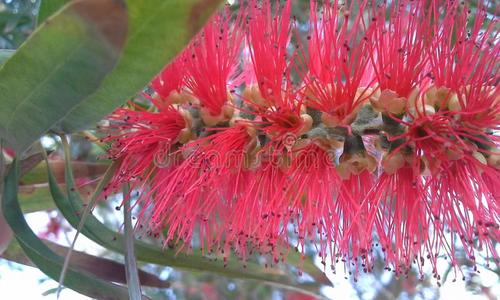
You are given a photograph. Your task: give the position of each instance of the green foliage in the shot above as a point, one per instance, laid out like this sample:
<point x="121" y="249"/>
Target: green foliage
<point x="17" y="19"/>
<point x="44" y="258"/>
<point x="48" y="8"/>
<point x="59" y="66"/>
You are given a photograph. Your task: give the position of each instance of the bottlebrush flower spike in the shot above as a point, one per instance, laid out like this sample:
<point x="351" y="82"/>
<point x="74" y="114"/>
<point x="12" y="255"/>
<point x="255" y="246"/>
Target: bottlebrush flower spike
<point x="463" y="202"/>
<point x="439" y="158"/>
<point x="387" y="140"/>
<point x="212" y="59"/>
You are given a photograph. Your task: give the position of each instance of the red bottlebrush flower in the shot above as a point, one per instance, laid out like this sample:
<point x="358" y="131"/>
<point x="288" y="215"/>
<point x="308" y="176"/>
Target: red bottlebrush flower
<point x="337" y="85"/>
<point x="430" y="169"/>
<point x="141" y="140"/>
<point x="393" y="131"/>
<point x="193" y="195"/>
<point x="402" y="221"/>
<point x="457" y="50"/>
<point x="170" y="81"/>
<point x="354" y="239"/>
<point x="261" y="201"/>
<point x="311" y="184"/>
<point x="462" y="202"/>
<point x="269" y="37"/>
<point x="430" y="139"/>
<point x="463" y="61"/>
<point x="212" y="59"/>
<point x="336" y="82"/>
<point x="396" y="47"/>
<point x="275" y="102"/>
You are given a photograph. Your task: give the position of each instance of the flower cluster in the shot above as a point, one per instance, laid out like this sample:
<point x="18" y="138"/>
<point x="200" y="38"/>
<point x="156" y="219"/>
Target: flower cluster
<point x="376" y="131"/>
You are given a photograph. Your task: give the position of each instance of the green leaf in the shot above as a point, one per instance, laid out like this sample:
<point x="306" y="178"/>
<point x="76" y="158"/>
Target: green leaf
<point x="86" y="211"/>
<point x="133" y="283"/>
<point x="64" y="61"/>
<point x="72" y="208"/>
<point x="48" y="8"/>
<point x="45" y="259"/>
<point x="158" y="30"/>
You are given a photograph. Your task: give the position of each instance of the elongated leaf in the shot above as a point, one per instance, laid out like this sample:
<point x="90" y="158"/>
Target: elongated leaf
<point x="85" y="213"/>
<point x="133" y="283"/>
<point x="48" y="8"/>
<point x="63" y="62"/>
<point x="44" y="258"/>
<point x="102" y="268"/>
<point x="71" y="207"/>
<point x="158" y="30"/>
<point x="5" y="232"/>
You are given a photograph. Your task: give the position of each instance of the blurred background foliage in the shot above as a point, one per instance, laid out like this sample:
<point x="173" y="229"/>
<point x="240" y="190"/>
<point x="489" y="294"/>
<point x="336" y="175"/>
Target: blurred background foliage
<point x="17" y="21"/>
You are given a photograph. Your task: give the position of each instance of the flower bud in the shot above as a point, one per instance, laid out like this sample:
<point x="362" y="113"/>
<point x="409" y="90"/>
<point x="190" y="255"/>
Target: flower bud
<point x="389" y="102"/>
<point x="356" y="163"/>
<point x="210" y="120"/>
<point x="252" y="94"/>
